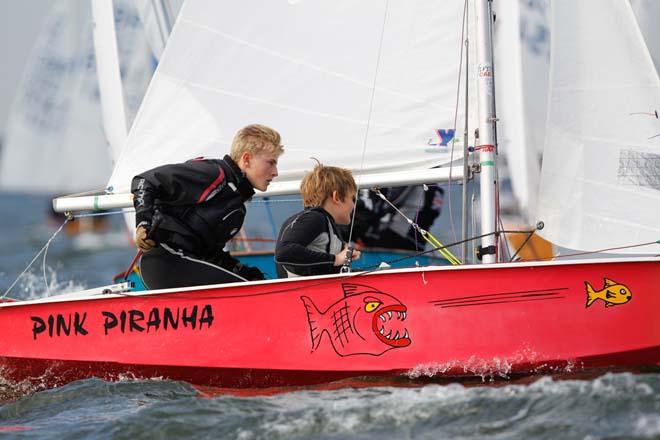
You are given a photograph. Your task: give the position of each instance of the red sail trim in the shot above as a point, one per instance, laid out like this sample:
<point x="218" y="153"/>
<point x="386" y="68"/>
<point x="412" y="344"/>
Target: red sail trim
<point x="212" y="186"/>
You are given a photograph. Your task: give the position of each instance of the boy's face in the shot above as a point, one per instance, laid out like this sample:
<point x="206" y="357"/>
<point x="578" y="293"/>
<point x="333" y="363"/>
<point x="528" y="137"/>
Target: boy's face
<point x="345" y="208"/>
<point x="259" y="168"/>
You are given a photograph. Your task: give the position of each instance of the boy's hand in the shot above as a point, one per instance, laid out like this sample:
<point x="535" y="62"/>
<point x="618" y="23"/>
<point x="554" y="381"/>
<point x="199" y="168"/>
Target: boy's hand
<point x="250" y="273"/>
<point x="340" y="258"/>
<point x="141" y="240"/>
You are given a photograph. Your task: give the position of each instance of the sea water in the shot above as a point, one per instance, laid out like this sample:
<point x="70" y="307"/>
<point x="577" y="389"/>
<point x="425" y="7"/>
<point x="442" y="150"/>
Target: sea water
<point x="609" y="406"/>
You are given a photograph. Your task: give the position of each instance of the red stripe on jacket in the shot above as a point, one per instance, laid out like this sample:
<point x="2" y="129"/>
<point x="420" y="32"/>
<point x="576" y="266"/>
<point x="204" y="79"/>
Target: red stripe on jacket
<point x="212" y="186"/>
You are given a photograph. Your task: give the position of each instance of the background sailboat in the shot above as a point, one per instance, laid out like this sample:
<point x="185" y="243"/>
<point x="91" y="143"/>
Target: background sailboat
<point x="600" y="185"/>
<point x="524" y="68"/>
<point x="55" y="140"/>
<point x="56" y="143"/>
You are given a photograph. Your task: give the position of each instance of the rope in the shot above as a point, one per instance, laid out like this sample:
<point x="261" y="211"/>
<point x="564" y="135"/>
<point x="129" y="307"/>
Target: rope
<point x="458" y="95"/>
<point x="529" y="237"/>
<point x="478" y="237"/>
<point x="353" y="274"/>
<point x="366" y="134"/>
<point x="600" y="250"/>
<point x="298" y="200"/>
<point x="425" y="234"/>
<point x="98" y="214"/>
<point x="45" y="251"/>
<point x="504" y="244"/>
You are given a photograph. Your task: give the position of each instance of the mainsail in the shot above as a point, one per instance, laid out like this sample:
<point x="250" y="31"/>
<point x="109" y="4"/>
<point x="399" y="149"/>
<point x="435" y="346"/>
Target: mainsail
<point x="367" y="85"/>
<point x="600" y="185"/>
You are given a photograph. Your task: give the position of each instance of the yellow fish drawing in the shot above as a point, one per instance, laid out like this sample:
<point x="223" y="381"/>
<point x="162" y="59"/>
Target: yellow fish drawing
<point x="612" y="293"/>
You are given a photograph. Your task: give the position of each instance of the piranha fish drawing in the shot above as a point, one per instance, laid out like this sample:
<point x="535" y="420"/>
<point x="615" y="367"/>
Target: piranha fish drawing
<point x="612" y="293"/>
<point x="364" y="321"/>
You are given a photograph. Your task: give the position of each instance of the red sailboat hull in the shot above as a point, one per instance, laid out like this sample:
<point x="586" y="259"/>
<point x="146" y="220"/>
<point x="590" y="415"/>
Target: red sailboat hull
<point x="495" y="320"/>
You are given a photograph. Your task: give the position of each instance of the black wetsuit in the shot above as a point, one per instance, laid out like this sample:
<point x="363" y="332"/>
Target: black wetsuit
<point x="191" y="210"/>
<point x="307" y="244"/>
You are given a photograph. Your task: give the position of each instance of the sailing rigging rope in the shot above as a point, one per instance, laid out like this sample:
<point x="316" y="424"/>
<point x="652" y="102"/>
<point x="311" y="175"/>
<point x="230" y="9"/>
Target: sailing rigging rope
<point x="504" y="244"/>
<point x="442" y="249"/>
<point x="464" y="42"/>
<point x="323" y="282"/>
<point x="347" y="264"/>
<point x="45" y="251"/>
<point x="271" y="200"/>
<point x="529" y="237"/>
<point x="631" y="246"/>
<point x="99" y="214"/>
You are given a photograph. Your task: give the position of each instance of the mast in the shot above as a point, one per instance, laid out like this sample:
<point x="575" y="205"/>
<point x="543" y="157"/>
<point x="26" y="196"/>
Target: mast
<point x="487" y="133"/>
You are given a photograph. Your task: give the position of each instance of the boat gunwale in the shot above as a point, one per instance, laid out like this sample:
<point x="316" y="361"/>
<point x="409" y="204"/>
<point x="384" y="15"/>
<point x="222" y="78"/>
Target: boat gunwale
<point x="70" y="297"/>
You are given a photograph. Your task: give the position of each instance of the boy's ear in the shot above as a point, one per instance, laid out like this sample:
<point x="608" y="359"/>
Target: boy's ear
<point x="335" y="197"/>
<point x="245" y="158"/>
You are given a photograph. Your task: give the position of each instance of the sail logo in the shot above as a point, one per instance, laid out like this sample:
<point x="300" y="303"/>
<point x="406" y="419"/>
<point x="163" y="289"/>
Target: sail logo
<point x="445" y="135"/>
<point x="612" y="293"/>
<point x="364" y="321"/>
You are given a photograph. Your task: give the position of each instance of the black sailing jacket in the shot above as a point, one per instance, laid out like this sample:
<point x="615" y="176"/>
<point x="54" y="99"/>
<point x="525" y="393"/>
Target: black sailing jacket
<point x="198" y="206"/>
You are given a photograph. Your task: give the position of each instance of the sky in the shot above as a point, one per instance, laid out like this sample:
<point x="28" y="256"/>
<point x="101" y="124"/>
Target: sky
<point x="20" y="22"/>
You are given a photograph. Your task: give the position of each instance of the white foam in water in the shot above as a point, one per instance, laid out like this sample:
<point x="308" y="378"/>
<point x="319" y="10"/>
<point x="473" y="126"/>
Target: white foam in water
<point x="32" y="285"/>
<point x="488" y="369"/>
<point x="647" y="425"/>
<point x="612" y="384"/>
<point x="351" y="411"/>
<point x="474" y="366"/>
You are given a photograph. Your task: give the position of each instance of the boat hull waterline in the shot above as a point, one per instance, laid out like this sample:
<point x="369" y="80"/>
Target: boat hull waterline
<point x="437" y="322"/>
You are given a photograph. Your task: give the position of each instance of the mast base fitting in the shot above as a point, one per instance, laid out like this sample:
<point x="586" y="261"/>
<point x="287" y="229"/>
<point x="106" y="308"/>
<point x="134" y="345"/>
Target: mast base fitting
<point x="488" y="250"/>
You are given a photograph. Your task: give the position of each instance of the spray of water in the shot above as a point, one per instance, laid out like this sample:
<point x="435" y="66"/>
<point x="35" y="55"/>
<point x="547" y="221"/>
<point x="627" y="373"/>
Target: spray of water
<point x="33" y="286"/>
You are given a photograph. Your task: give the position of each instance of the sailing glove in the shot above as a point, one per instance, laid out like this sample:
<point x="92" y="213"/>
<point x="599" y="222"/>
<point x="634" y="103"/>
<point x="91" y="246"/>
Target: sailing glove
<point x="248" y="272"/>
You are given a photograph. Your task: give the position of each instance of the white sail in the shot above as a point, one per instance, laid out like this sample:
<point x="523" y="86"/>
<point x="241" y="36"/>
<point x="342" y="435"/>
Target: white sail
<point x="157" y="17"/>
<point x="107" y="69"/>
<point x="521" y="67"/>
<point x="308" y="69"/>
<point x="600" y="185"/>
<point x="647" y="13"/>
<point x="55" y="141"/>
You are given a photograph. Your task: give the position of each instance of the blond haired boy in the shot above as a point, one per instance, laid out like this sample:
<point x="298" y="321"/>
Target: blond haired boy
<point x="185" y="213"/>
<point x="309" y="243"/>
